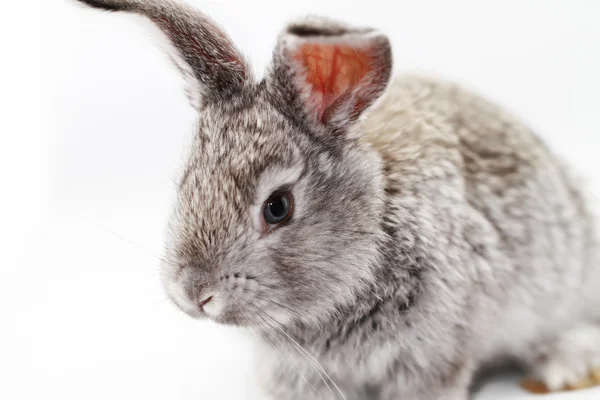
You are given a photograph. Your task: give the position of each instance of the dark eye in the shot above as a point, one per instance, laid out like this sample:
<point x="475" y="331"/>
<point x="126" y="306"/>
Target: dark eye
<point x="278" y="208"/>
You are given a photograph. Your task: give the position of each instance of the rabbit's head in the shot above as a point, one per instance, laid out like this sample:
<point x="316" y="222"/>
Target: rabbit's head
<point x="280" y="205"/>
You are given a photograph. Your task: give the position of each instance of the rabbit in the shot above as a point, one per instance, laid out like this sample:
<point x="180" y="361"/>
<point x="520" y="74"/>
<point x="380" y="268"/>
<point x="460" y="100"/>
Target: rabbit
<point x="383" y="237"/>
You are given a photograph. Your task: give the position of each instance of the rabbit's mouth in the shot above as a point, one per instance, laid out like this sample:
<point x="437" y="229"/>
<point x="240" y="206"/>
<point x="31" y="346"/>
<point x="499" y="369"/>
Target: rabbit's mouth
<point x="230" y="308"/>
<point x="255" y="313"/>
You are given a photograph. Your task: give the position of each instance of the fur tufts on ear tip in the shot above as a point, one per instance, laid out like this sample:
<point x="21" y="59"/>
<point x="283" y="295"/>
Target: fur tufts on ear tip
<point x="313" y="26"/>
<point x="108" y="5"/>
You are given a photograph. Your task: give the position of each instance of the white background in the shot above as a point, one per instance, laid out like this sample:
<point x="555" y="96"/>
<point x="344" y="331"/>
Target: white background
<point x="93" y="123"/>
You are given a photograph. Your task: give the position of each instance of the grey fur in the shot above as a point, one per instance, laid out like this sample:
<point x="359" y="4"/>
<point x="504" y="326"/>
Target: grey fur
<point x="432" y="237"/>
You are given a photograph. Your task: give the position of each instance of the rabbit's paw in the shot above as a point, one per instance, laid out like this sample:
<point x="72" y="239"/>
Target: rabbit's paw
<point x="570" y="362"/>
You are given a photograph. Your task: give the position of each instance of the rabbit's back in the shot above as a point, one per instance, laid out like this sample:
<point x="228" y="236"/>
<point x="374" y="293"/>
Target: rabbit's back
<point x="539" y="257"/>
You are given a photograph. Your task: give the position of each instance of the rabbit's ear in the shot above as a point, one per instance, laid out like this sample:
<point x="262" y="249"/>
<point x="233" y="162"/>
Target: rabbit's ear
<point x="328" y="72"/>
<point x="203" y="52"/>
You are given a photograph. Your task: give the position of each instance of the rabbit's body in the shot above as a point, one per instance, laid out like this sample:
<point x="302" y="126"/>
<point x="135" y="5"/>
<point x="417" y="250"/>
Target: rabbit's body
<point x="385" y="257"/>
<point x="500" y="245"/>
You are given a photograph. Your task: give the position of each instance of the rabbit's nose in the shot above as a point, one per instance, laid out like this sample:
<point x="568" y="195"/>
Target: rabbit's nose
<point x="204" y="302"/>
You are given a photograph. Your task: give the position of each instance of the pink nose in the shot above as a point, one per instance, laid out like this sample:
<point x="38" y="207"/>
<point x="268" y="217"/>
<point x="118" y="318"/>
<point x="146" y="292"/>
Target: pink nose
<point x="205" y="302"/>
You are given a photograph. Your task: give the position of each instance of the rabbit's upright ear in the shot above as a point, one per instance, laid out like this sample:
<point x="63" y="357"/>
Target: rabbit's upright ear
<point x="329" y="73"/>
<point x="203" y="52"/>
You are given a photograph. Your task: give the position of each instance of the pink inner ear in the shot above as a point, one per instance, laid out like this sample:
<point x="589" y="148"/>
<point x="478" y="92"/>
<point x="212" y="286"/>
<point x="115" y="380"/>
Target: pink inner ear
<point x="333" y="70"/>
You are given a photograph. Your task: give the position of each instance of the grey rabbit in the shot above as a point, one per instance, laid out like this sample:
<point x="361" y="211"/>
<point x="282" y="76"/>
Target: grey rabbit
<point x="383" y="238"/>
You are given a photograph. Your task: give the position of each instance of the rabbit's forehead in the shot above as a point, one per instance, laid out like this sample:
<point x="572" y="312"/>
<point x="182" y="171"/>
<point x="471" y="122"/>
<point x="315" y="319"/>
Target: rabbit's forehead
<point x="222" y="179"/>
<point x="230" y="154"/>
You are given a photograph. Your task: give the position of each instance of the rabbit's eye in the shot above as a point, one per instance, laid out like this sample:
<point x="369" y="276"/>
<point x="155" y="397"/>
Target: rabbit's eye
<point x="278" y="208"/>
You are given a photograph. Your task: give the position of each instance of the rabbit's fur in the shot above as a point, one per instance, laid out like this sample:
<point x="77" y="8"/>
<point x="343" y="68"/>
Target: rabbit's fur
<point x="432" y="233"/>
